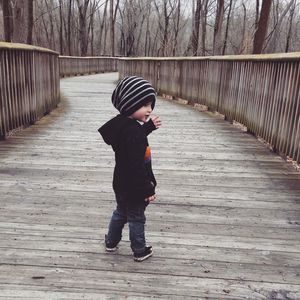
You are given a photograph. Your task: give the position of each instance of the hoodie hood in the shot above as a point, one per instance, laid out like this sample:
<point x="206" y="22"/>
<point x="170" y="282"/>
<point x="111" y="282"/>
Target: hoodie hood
<point x="112" y="130"/>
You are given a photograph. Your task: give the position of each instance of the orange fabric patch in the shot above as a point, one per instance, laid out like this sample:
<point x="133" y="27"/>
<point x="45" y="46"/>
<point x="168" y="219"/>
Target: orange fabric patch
<point x="148" y="154"/>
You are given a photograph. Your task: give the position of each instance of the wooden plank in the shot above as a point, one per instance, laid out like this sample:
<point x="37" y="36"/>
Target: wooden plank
<point x="162" y="285"/>
<point x="178" y="266"/>
<point x="72" y="242"/>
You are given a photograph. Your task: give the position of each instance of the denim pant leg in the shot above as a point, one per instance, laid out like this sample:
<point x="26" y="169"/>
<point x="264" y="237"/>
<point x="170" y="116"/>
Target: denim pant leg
<point x="116" y="225"/>
<point x="136" y="220"/>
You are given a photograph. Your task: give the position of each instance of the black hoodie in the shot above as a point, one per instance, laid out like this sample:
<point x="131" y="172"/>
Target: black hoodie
<point x="133" y="176"/>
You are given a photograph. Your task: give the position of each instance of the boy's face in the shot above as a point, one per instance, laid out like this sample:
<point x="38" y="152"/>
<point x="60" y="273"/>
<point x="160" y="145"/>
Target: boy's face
<point x="143" y="113"/>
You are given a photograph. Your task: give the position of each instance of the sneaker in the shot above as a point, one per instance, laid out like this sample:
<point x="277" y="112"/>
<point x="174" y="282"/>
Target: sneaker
<point x="144" y="255"/>
<point x="110" y="248"/>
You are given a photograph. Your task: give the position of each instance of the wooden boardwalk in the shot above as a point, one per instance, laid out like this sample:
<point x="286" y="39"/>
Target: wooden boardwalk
<point x="226" y="224"/>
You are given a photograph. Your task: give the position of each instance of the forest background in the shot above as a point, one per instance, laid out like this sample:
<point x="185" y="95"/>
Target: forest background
<point x="153" y="27"/>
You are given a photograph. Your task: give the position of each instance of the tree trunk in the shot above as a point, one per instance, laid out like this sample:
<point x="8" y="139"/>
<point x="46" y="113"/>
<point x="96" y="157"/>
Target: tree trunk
<point x="196" y="28"/>
<point x="243" y="42"/>
<point x="138" y="43"/>
<point x="20" y="18"/>
<point x="217" y="44"/>
<point x="52" y="38"/>
<point x="112" y="28"/>
<point x="7" y="20"/>
<point x="122" y="37"/>
<point x="60" y="27"/>
<point x="102" y="26"/>
<point x="262" y="27"/>
<point x="83" y="39"/>
<point x="29" y="21"/>
<point x="113" y="15"/>
<point x="166" y="30"/>
<point x="256" y="14"/>
<point x="147" y="46"/>
<point x="227" y="27"/>
<point x="91" y="26"/>
<point x="203" y="27"/>
<point x="69" y="27"/>
<point x="106" y="29"/>
<point x="176" y="28"/>
<point x="48" y="39"/>
<point x="291" y="17"/>
<point x="155" y="51"/>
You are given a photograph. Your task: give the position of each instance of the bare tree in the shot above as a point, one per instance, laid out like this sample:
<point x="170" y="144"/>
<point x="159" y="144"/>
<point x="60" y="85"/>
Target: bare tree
<point x="7" y="20"/>
<point x="91" y="28"/>
<point x="153" y="27"/>
<point x="29" y="21"/>
<point x="289" y="34"/>
<point x="61" y="26"/>
<point x="176" y="27"/>
<point x="19" y="19"/>
<point x="102" y="32"/>
<point x="198" y="37"/>
<point x="217" y="44"/>
<point x="148" y="33"/>
<point x="204" y="12"/>
<point x="262" y="27"/>
<point x="42" y="35"/>
<point x="276" y="31"/>
<point x="113" y="14"/>
<point x="196" y="28"/>
<point x="129" y="23"/>
<point x="257" y="13"/>
<point x="142" y="18"/>
<point x="243" y="43"/>
<point x="167" y="13"/>
<point x="165" y="41"/>
<point x="112" y="28"/>
<point x="51" y="21"/>
<point x="70" y="4"/>
<point x="163" y="26"/>
<point x="83" y="38"/>
<point x="227" y="27"/>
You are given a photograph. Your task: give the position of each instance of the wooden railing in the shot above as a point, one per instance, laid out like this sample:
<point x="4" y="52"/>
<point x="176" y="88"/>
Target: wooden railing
<point x="29" y="81"/>
<point x="29" y="85"/>
<point x="260" y="91"/>
<point x="72" y="65"/>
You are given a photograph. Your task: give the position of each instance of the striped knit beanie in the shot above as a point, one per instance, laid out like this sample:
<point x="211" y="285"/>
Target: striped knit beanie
<point x="131" y="93"/>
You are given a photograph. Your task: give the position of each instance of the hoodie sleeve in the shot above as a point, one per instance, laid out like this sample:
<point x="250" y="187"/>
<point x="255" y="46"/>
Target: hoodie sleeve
<point x="136" y="148"/>
<point x="148" y="127"/>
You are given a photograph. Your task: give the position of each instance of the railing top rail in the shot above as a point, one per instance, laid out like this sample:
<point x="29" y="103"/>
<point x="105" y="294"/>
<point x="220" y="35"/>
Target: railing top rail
<point x="86" y="57"/>
<point x="251" y="57"/>
<point x="17" y="46"/>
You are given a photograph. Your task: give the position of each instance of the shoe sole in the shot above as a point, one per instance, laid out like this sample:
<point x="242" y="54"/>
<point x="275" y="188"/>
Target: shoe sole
<point x="111" y="249"/>
<point x="140" y="259"/>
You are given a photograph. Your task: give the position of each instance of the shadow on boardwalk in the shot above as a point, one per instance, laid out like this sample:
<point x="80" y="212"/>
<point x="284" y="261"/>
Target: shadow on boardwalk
<point x="225" y="226"/>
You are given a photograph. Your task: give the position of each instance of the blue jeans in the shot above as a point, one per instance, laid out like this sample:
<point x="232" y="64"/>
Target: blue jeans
<point x="134" y="214"/>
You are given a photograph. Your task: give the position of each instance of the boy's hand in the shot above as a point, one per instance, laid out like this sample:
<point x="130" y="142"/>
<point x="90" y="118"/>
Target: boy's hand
<point x="156" y="121"/>
<point x="151" y="198"/>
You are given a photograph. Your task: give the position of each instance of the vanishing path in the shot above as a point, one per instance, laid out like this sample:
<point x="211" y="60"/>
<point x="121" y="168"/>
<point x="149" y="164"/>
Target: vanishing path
<point x="226" y="224"/>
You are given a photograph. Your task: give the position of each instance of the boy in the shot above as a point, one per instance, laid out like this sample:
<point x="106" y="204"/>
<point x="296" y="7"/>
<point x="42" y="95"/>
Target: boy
<point x="133" y="182"/>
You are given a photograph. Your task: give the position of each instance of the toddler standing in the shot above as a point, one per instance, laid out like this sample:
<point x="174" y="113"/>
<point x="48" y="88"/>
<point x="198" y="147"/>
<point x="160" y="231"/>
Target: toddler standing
<point x="133" y="181"/>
